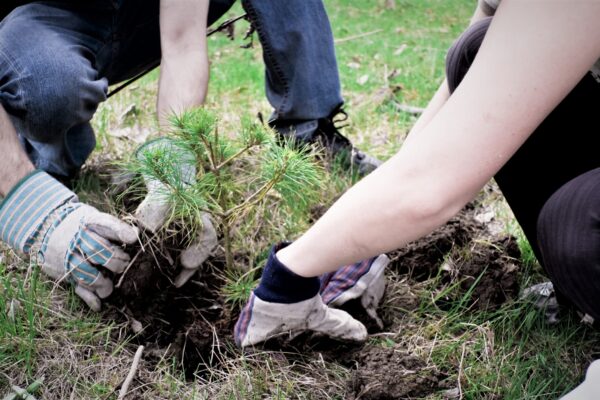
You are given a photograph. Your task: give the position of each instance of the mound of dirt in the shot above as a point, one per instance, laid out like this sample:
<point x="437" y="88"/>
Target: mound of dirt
<point x="421" y="259"/>
<point x="389" y="373"/>
<point x="188" y="323"/>
<point x="488" y="271"/>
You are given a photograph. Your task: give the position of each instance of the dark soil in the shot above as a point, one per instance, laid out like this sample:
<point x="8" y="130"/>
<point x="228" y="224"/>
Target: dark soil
<point x="390" y="373"/>
<point x="460" y="251"/>
<point x="421" y="259"/>
<point x="190" y="323"/>
<point x="488" y="272"/>
<point x="193" y="325"/>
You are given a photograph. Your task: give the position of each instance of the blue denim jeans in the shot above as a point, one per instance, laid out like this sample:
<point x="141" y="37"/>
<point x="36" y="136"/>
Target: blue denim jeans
<point x="57" y="59"/>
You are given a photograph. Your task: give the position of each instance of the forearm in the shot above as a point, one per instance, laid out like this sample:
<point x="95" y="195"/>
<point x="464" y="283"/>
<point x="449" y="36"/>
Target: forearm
<point x="435" y="104"/>
<point x="14" y="164"/>
<point x="184" y="65"/>
<point x="506" y="94"/>
<point x="182" y="85"/>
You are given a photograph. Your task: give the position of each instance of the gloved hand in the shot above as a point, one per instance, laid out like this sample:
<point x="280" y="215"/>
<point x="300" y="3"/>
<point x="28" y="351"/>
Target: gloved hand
<point x="286" y="304"/>
<point x="43" y="219"/>
<point x="364" y="280"/>
<point x="153" y="211"/>
<point x="589" y="389"/>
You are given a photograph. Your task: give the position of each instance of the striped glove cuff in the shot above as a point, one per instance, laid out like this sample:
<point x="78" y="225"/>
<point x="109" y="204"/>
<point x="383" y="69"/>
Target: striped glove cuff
<point x="27" y="205"/>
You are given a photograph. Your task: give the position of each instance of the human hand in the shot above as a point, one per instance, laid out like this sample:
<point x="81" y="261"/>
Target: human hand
<point x="153" y="211"/>
<point x="285" y="304"/>
<point x="364" y="280"/>
<point x="69" y="240"/>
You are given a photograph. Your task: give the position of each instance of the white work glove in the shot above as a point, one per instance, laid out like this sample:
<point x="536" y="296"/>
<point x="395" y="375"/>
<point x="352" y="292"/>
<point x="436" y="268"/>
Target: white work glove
<point x="589" y="389"/>
<point x="364" y="280"/>
<point x="285" y="304"/>
<point x="262" y="320"/>
<point x="153" y="211"/>
<point x="69" y="240"/>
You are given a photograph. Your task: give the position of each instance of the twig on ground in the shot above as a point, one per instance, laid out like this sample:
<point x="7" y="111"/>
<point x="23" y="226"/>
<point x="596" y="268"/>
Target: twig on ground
<point x="460" y="369"/>
<point x="131" y="374"/>
<point x="409" y="109"/>
<point x="360" y="35"/>
<point x="118" y="285"/>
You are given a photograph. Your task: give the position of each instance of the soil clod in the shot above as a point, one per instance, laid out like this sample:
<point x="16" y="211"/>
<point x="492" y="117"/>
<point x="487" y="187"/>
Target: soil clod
<point x="390" y="373"/>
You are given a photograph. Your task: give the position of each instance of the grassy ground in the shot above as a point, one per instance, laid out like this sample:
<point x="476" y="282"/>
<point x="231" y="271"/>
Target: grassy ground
<point x="389" y="53"/>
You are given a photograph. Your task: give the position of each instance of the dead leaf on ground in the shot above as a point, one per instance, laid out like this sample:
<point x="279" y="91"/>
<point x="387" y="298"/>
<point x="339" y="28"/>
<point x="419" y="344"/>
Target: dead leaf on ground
<point x="400" y="50"/>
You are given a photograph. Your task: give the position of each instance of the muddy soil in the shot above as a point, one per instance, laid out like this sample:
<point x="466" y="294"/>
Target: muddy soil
<point x="462" y="252"/>
<point x="487" y="272"/>
<point x="190" y="324"/>
<point x="421" y="259"/>
<point x="193" y="325"/>
<point x="390" y="373"/>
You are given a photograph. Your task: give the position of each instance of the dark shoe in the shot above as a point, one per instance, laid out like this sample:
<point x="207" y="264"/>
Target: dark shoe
<point x="337" y="147"/>
<point x="543" y="298"/>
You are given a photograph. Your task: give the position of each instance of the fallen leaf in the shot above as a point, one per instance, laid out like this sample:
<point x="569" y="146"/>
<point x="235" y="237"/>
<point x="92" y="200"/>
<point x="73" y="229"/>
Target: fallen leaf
<point x="363" y="79"/>
<point x="400" y="50"/>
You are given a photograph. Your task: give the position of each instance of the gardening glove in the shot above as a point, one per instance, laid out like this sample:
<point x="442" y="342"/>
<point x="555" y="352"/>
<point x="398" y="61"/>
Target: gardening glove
<point x="43" y="219"/>
<point x="364" y="280"/>
<point x="589" y="389"/>
<point x="153" y="211"/>
<point x="284" y="304"/>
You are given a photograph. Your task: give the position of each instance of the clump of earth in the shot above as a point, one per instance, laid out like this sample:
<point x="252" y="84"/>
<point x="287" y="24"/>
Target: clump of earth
<point x="194" y="325"/>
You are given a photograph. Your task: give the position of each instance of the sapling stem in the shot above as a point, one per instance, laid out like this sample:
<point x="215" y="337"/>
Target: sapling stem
<point x="228" y="249"/>
<point x="233" y="157"/>
<point x="226" y="190"/>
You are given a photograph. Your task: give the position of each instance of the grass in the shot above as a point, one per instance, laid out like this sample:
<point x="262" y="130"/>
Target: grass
<point x="389" y="53"/>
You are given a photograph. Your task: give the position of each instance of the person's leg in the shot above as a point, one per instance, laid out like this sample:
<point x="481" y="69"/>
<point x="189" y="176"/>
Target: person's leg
<point x="14" y="164"/>
<point x="568" y="233"/>
<point x="302" y="82"/>
<point x="56" y="61"/>
<point x="48" y="81"/>
<point x="136" y="40"/>
<point x="302" y="79"/>
<point x="563" y="147"/>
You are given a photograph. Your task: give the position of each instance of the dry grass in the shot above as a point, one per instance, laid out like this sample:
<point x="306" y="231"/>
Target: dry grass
<point x="508" y="354"/>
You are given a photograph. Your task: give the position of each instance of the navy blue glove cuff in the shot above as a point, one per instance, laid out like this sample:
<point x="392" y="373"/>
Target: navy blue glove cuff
<point x="280" y="285"/>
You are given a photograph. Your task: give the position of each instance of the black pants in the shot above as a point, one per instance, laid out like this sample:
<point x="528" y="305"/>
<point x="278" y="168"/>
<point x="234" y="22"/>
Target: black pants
<point x="552" y="183"/>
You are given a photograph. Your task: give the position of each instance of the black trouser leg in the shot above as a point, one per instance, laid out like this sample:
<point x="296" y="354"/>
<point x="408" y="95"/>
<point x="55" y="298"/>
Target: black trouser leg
<point x="564" y="146"/>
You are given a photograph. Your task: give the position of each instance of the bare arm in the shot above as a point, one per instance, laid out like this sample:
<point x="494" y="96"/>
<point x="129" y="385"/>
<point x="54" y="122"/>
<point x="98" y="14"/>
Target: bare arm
<point x="184" y="64"/>
<point x="443" y="93"/>
<point x="534" y="53"/>
<point x="14" y="163"/>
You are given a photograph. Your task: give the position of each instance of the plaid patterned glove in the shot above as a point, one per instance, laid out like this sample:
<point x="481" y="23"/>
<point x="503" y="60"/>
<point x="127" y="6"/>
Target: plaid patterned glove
<point x="69" y="240"/>
<point x="364" y="280"/>
<point x="285" y="304"/>
<point x="153" y="211"/>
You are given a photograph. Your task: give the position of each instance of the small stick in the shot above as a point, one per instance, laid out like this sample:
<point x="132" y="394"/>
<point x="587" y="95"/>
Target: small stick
<point x="118" y="285"/>
<point x="131" y="375"/>
<point x="409" y="109"/>
<point x="360" y="35"/>
<point x="460" y="370"/>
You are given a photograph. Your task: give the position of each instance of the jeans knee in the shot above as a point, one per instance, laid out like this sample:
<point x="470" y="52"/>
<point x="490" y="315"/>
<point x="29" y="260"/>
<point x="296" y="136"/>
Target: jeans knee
<point x="463" y="51"/>
<point x="568" y="232"/>
<point x="62" y="94"/>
